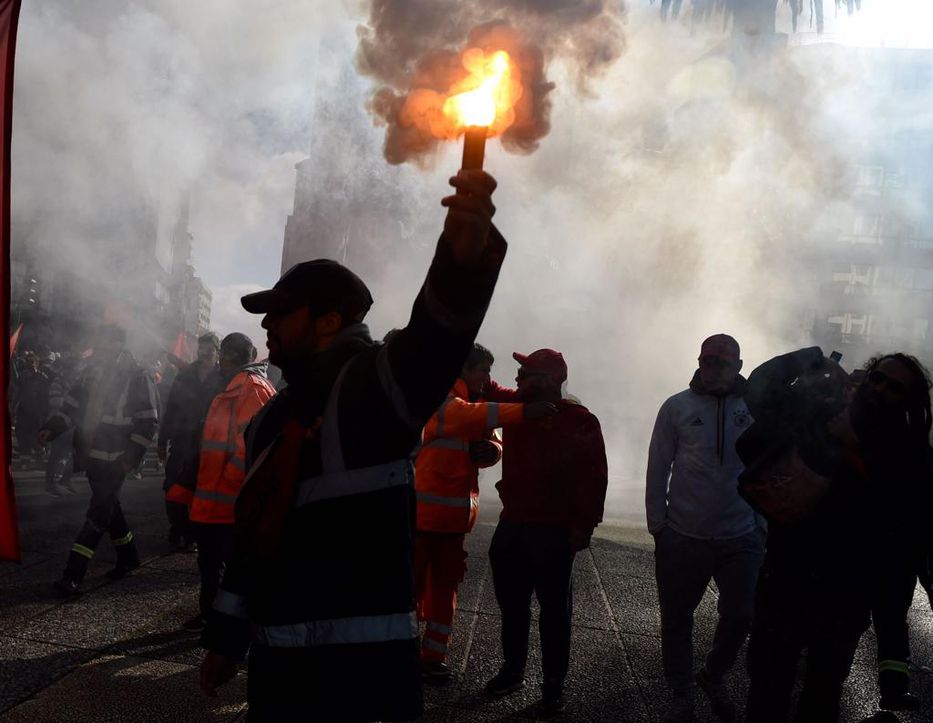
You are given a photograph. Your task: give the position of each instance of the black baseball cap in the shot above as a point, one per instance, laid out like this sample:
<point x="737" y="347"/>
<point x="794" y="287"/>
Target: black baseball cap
<point x="323" y="285"/>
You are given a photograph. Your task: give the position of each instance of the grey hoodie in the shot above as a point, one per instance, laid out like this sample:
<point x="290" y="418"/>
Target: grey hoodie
<point x="693" y="468"/>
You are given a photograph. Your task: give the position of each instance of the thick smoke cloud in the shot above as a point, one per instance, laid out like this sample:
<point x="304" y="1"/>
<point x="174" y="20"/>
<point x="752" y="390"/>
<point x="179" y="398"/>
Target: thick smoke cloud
<point x="412" y="49"/>
<point x="124" y="109"/>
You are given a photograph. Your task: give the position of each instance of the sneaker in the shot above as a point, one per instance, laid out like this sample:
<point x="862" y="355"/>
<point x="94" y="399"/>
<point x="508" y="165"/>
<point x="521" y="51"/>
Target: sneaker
<point x="552" y="699"/>
<point x="135" y="474"/>
<point x="504" y="683"/>
<point x="435" y="672"/>
<point x="899" y="701"/>
<point x="195" y="624"/>
<point x="681" y="709"/>
<point x="719" y="699"/>
<point x="67" y="588"/>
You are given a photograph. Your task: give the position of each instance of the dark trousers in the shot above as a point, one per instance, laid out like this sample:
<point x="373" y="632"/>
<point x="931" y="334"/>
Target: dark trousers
<point x="179" y="524"/>
<point x="684" y="567"/>
<point x="61" y="460"/>
<point x="893" y="595"/>
<point x="104" y="514"/>
<point x="785" y="624"/>
<point x="528" y="559"/>
<point x="215" y="548"/>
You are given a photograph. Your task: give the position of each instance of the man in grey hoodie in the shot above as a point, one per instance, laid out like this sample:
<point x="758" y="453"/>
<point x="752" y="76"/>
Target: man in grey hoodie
<point x="702" y="529"/>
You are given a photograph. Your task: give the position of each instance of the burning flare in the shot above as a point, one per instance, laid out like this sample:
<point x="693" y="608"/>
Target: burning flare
<point x="485" y="96"/>
<point x="488" y="95"/>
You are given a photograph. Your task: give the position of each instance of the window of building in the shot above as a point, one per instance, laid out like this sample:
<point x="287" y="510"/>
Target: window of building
<point x="869" y="177"/>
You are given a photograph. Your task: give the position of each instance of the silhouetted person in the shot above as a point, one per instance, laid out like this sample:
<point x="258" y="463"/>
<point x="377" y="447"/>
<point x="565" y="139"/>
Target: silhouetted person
<point x="846" y="527"/>
<point x="114" y="411"/>
<point x="60" y="464"/>
<point x="553" y="487"/>
<point x="180" y="435"/>
<point x="703" y="529"/>
<point x="320" y="588"/>
<point x="891" y="417"/>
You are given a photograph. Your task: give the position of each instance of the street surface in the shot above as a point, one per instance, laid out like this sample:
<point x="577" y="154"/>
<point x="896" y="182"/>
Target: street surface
<point x="117" y="653"/>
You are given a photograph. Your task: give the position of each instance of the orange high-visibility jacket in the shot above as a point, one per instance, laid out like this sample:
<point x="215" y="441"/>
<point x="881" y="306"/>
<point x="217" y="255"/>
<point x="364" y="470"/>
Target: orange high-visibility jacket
<point x="222" y="467"/>
<point x="446" y="479"/>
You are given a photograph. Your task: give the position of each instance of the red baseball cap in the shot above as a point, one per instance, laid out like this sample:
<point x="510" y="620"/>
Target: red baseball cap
<point x="546" y="361"/>
<point x="722" y="346"/>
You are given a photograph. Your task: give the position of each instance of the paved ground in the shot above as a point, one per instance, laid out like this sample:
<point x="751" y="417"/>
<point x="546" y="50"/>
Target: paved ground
<point x="117" y="654"/>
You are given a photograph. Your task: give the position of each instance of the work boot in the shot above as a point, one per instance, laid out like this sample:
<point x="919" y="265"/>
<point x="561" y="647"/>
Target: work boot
<point x="719" y="699"/>
<point x="899" y="701"/>
<point x="67" y="587"/>
<point x="681" y="708"/>
<point x="127" y="557"/>
<point x="895" y="690"/>
<point x="504" y="683"/>
<point x="435" y="672"/>
<point x="552" y="698"/>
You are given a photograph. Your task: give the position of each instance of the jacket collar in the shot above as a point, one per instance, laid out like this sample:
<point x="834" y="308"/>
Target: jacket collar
<point x="737" y="390"/>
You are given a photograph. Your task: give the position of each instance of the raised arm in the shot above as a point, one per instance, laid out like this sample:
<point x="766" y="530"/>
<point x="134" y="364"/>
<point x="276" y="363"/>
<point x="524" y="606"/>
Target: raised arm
<point x="421" y="362"/>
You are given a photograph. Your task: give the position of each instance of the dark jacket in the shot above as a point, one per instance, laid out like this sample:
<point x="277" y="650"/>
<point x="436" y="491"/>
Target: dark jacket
<point x="185" y="410"/>
<point x="114" y="410"/>
<point x="333" y="604"/>
<point x="824" y="560"/>
<point x="554" y="470"/>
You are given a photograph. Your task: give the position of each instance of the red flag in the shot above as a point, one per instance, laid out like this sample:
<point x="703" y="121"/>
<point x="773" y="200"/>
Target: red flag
<point x="9" y="17"/>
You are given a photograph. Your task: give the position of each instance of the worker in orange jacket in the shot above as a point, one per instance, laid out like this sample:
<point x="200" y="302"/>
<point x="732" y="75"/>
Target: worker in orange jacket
<point x="457" y="441"/>
<point x="222" y="465"/>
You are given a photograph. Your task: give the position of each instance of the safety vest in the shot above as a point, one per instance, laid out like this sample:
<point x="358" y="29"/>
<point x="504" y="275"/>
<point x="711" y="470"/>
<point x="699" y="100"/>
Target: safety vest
<point x="222" y="466"/>
<point x="446" y="478"/>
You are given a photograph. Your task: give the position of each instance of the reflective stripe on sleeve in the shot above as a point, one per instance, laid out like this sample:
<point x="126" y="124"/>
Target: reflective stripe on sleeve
<point x="231" y="604"/>
<point x="239" y="463"/>
<point x="492" y="415"/>
<point x="146" y="414"/>
<point x="214" y="496"/>
<point x="897" y="666"/>
<point x="339" y="631"/>
<point x="353" y="482"/>
<point x="140" y="440"/>
<point x="459" y="445"/>
<point x="445" y="501"/>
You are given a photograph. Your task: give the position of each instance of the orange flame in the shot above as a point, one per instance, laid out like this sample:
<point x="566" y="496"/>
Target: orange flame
<point x="485" y="97"/>
<point x="488" y="95"/>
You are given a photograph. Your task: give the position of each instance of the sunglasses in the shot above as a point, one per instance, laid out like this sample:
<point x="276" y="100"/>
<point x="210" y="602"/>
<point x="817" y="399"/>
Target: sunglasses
<point x="878" y="377"/>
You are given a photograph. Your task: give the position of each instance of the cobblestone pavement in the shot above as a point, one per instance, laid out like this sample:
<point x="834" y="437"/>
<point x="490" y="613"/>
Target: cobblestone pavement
<point x="117" y="653"/>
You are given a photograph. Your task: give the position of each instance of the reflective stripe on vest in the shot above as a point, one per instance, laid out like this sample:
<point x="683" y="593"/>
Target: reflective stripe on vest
<point x="434" y="645"/>
<point x="439" y="628"/>
<point x="440" y="417"/>
<point x="230" y="604"/>
<point x="460" y="445"/>
<point x="212" y="446"/>
<point x="214" y="496"/>
<point x="353" y="482"/>
<point x="339" y="631"/>
<point x="104" y="456"/>
<point x="425" y="498"/>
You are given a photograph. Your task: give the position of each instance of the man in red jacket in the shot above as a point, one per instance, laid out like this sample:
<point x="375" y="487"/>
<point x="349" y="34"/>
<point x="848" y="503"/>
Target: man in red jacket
<point x="554" y="478"/>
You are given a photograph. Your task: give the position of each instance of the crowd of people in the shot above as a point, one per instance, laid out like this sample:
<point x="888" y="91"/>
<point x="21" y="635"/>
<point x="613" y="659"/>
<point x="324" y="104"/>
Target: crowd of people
<point x="801" y="491"/>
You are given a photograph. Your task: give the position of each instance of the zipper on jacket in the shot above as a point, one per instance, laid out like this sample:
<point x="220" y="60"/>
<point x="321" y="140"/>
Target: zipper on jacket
<point x="721" y="429"/>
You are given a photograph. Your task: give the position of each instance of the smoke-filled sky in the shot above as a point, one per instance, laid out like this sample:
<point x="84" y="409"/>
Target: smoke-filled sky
<point x="655" y="212"/>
